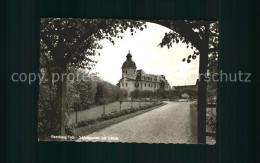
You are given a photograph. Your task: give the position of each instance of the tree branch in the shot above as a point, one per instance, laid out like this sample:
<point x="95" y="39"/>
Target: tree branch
<point x="185" y="30"/>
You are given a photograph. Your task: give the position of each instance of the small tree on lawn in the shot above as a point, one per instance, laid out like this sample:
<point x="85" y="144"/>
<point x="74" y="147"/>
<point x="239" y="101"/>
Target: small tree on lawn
<point x="135" y="94"/>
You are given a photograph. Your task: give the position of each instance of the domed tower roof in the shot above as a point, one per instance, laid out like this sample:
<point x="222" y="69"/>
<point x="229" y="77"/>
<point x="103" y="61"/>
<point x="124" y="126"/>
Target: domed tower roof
<point x="129" y="63"/>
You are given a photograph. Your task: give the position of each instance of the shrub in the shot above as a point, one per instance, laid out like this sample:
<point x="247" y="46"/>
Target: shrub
<point x="194" y="105"/>
<point x="69" y="125"/>
<point x="211" y="121"/>
<point x="99" y="119"/>
<point x="83" y="123"/>
<point x="124" y="112"/>
<point x="116" y="113"/>
<point x="105" y="116"/>
<point x="132" y="110"/>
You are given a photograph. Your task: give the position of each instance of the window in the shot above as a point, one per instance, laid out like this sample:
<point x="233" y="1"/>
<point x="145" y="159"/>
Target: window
<point x="123" y="71"/>
<point x="122" y="84"/>
<point x="145" y="85"/>
<point x="125" y="84"/>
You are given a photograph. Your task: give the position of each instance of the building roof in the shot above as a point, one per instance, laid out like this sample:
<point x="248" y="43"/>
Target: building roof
<point x="129" y="63"/>
<point x="195" y="87"/>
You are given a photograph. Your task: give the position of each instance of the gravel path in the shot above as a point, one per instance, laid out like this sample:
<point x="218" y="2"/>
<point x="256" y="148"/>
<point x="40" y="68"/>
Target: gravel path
<point x="171" y="123"/>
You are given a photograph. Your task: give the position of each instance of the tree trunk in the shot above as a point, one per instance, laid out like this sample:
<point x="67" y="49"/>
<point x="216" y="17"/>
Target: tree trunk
<point x="202" y="88"/>
<point x="104" y="109"/>
<point x="61" y="101"/>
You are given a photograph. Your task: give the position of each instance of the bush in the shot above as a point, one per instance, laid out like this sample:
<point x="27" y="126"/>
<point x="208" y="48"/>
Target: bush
<point x="116" y="113"/>
<point x="69" y="125"/>
<point x="105" y="116"/>
<point x="159" y="94"/>
<point x="194" y="105"/>
<point x="132" y="110"/>
<point x="86" y="94"/>
<point x="83" y="123"/>
<point x="211" y="121"/>
<point x="99" y="119"/>
<point x="124" y="112"/>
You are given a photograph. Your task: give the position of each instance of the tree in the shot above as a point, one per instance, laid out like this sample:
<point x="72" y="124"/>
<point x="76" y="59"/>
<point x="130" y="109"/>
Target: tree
<point x="80" y="91"/>
<point x="135" y="94"/>
<point x="197" y="35"/>
<point x="68" y="43"/>
<point x="99" y="97"/>
<point x="193" y="93"/>
<point x="203" y="37"/>
<point x="122" y="93"/>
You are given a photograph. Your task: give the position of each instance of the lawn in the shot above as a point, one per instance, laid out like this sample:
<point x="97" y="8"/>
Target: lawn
<point x="97" y="111"/>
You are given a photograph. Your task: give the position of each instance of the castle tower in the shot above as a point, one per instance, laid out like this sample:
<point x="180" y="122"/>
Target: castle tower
<point x="129" y="67"/>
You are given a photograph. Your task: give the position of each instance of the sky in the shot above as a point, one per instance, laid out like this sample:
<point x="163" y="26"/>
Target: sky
<point x="148" y="56"/>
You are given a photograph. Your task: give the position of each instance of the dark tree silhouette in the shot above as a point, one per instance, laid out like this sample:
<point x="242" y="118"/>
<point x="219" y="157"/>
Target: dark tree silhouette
<point x="202" y="36"/>
<point x="68" y="43"/>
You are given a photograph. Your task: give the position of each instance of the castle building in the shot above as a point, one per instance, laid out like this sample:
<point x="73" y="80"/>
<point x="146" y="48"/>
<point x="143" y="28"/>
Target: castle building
<point x="133" y="79"/>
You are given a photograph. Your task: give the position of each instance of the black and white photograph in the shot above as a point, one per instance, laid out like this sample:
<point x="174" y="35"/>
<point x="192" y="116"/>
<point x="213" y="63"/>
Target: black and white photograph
<point x="128" y="81"/>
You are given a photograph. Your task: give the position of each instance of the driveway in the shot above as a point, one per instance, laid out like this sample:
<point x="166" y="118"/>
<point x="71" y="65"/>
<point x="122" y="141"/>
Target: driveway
<point x="175" y="122"/>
